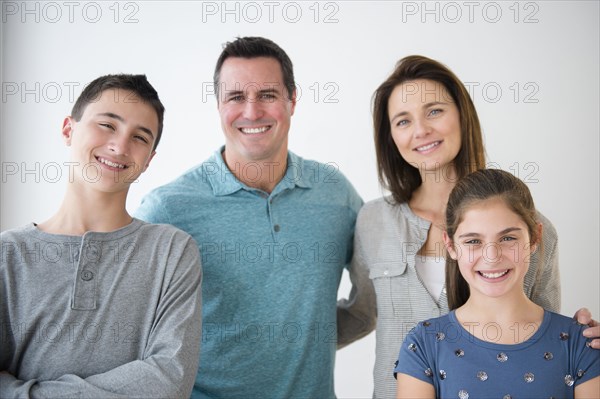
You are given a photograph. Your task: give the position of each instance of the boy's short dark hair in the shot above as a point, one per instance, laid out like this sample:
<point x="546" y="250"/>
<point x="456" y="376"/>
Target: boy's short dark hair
<point x="137" y="84"/>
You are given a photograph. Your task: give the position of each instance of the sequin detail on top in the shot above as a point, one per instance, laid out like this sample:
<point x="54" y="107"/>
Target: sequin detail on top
<point x="442" y="374"/>
<point x="429" y="373"/>
<point x="548" y="356"/>
<point x="462" y="394"/>
<point x="412" y="347"/>
<point x="569" y="380"/>
<point x="502" y="357"/>
<point x="529" y="377"/>
<point x="482" y="376"/>
<point x="459" y="353"/>
<point x="440" y="336"/>
<point x="564" y="336"/>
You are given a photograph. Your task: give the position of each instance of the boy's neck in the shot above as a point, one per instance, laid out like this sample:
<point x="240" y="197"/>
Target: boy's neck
<point x="81" y="212"/>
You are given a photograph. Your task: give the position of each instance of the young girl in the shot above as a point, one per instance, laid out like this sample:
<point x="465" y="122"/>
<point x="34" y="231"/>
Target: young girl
<point x="495" y="342"/>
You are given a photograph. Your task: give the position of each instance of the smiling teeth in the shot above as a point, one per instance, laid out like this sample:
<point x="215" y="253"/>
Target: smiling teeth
<point x="254" y="130"/>
<point x="111" y="164"/>
<point x="428" y="146"/>
<point x="494" y="275"/>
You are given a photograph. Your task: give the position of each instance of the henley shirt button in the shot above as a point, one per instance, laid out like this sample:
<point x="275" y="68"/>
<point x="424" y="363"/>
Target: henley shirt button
<point x="87" y="275"/>
<point x="276" y="228"/>
<point x="385" y="273"/>
<point x="443" y="290"/>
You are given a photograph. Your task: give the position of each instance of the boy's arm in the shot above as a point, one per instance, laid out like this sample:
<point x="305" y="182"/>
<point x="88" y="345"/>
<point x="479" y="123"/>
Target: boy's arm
<point x="168" y="368"/>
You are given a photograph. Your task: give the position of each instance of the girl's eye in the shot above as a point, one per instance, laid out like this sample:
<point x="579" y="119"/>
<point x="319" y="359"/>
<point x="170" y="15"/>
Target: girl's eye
<point x="508" y="238"/>
<point x="473" y="242"/>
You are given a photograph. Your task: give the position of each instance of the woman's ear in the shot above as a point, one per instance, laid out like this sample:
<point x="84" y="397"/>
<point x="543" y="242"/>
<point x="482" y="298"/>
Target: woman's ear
<point x="449" y="246"/>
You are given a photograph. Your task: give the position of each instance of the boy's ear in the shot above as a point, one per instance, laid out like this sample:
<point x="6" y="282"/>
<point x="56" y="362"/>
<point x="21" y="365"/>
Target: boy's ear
<point x="148" y="161"/>
<point x="67" y="130"/>
<point x="449" y="246"/>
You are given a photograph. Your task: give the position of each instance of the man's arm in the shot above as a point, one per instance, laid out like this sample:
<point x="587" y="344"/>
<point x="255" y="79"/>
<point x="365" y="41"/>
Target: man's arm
<point x="169" y="365"/>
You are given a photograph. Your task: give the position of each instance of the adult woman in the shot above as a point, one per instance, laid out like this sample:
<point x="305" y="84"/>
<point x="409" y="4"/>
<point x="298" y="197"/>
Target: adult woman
<point x="427" y="136"/>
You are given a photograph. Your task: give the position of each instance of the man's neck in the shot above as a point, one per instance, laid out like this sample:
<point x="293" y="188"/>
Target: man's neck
<point x="83" y="212"/>
<point x="262" y="174"/>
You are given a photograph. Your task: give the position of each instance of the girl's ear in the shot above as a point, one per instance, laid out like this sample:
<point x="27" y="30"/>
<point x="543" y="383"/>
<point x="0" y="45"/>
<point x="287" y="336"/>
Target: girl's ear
<point x="535" y="245"/>
<point x="449" y="245"/>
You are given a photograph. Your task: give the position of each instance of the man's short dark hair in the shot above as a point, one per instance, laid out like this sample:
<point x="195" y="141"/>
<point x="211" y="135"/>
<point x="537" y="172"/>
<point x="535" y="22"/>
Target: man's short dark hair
<point x="254" y="47"/>
<point x="137" y="84"/>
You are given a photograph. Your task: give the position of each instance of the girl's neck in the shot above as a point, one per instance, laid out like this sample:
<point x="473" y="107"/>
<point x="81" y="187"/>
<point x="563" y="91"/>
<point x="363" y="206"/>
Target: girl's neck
<point x="513" y="320"/>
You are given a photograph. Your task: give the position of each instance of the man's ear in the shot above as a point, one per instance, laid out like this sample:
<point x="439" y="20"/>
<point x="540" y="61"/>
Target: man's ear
<point x="449" y="245"/>
<point x="67" y="130"/>
<point x="293" y="102"/>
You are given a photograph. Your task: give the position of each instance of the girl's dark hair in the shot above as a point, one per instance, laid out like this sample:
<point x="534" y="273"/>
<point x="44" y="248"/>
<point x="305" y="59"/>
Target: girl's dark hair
<point x="476" y="187"/>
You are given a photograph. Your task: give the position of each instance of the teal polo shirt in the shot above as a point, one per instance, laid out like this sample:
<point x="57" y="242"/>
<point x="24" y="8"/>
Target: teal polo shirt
<point x="272" y="266"/>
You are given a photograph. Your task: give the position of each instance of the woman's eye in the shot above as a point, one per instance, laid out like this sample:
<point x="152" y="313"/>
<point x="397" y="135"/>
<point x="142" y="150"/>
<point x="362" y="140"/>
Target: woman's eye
<point x="403" y="122"/>
<point x="435" y="112"/>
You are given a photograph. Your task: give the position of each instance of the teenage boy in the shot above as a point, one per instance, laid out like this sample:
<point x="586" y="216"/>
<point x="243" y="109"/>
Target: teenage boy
<point x="93" y="302"/>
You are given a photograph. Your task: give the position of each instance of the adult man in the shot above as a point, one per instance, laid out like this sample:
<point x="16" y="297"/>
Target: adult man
<point x="94" y="303"/>
<point x="275" y="233"/>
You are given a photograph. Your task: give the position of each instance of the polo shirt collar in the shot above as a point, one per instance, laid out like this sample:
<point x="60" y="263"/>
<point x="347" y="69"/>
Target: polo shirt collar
<point x="223" y="182"/>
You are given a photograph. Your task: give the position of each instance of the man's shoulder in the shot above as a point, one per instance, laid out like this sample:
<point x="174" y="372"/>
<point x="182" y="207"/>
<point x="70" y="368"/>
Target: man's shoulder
<point x="161" y="230"/>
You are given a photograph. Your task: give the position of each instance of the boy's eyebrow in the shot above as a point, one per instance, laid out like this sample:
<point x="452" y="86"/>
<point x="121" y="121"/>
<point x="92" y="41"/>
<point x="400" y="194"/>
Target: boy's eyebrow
<point x="121" y="119"/>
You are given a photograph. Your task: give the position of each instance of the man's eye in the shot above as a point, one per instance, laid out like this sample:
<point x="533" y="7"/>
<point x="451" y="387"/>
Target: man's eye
<point x="268" y="96"/>
<point x="235" y="99"/>
<point x="107" y="125"/>
<point x="141" y="138"/>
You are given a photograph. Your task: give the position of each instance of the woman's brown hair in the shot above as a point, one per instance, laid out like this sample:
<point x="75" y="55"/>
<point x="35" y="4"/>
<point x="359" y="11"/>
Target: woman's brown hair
<point x="395" y="174"/>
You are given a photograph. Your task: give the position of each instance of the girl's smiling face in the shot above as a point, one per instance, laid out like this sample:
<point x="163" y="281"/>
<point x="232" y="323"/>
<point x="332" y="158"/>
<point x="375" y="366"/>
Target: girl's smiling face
<point x="492" y="247"/>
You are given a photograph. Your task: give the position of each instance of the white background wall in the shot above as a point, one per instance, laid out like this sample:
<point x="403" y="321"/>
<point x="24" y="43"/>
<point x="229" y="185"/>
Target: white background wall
<point x="533" y="70"/>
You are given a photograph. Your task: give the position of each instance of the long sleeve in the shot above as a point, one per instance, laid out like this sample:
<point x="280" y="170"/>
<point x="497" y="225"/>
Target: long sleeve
<point x="169" y="363"/>
<point x="357" y="315"/>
